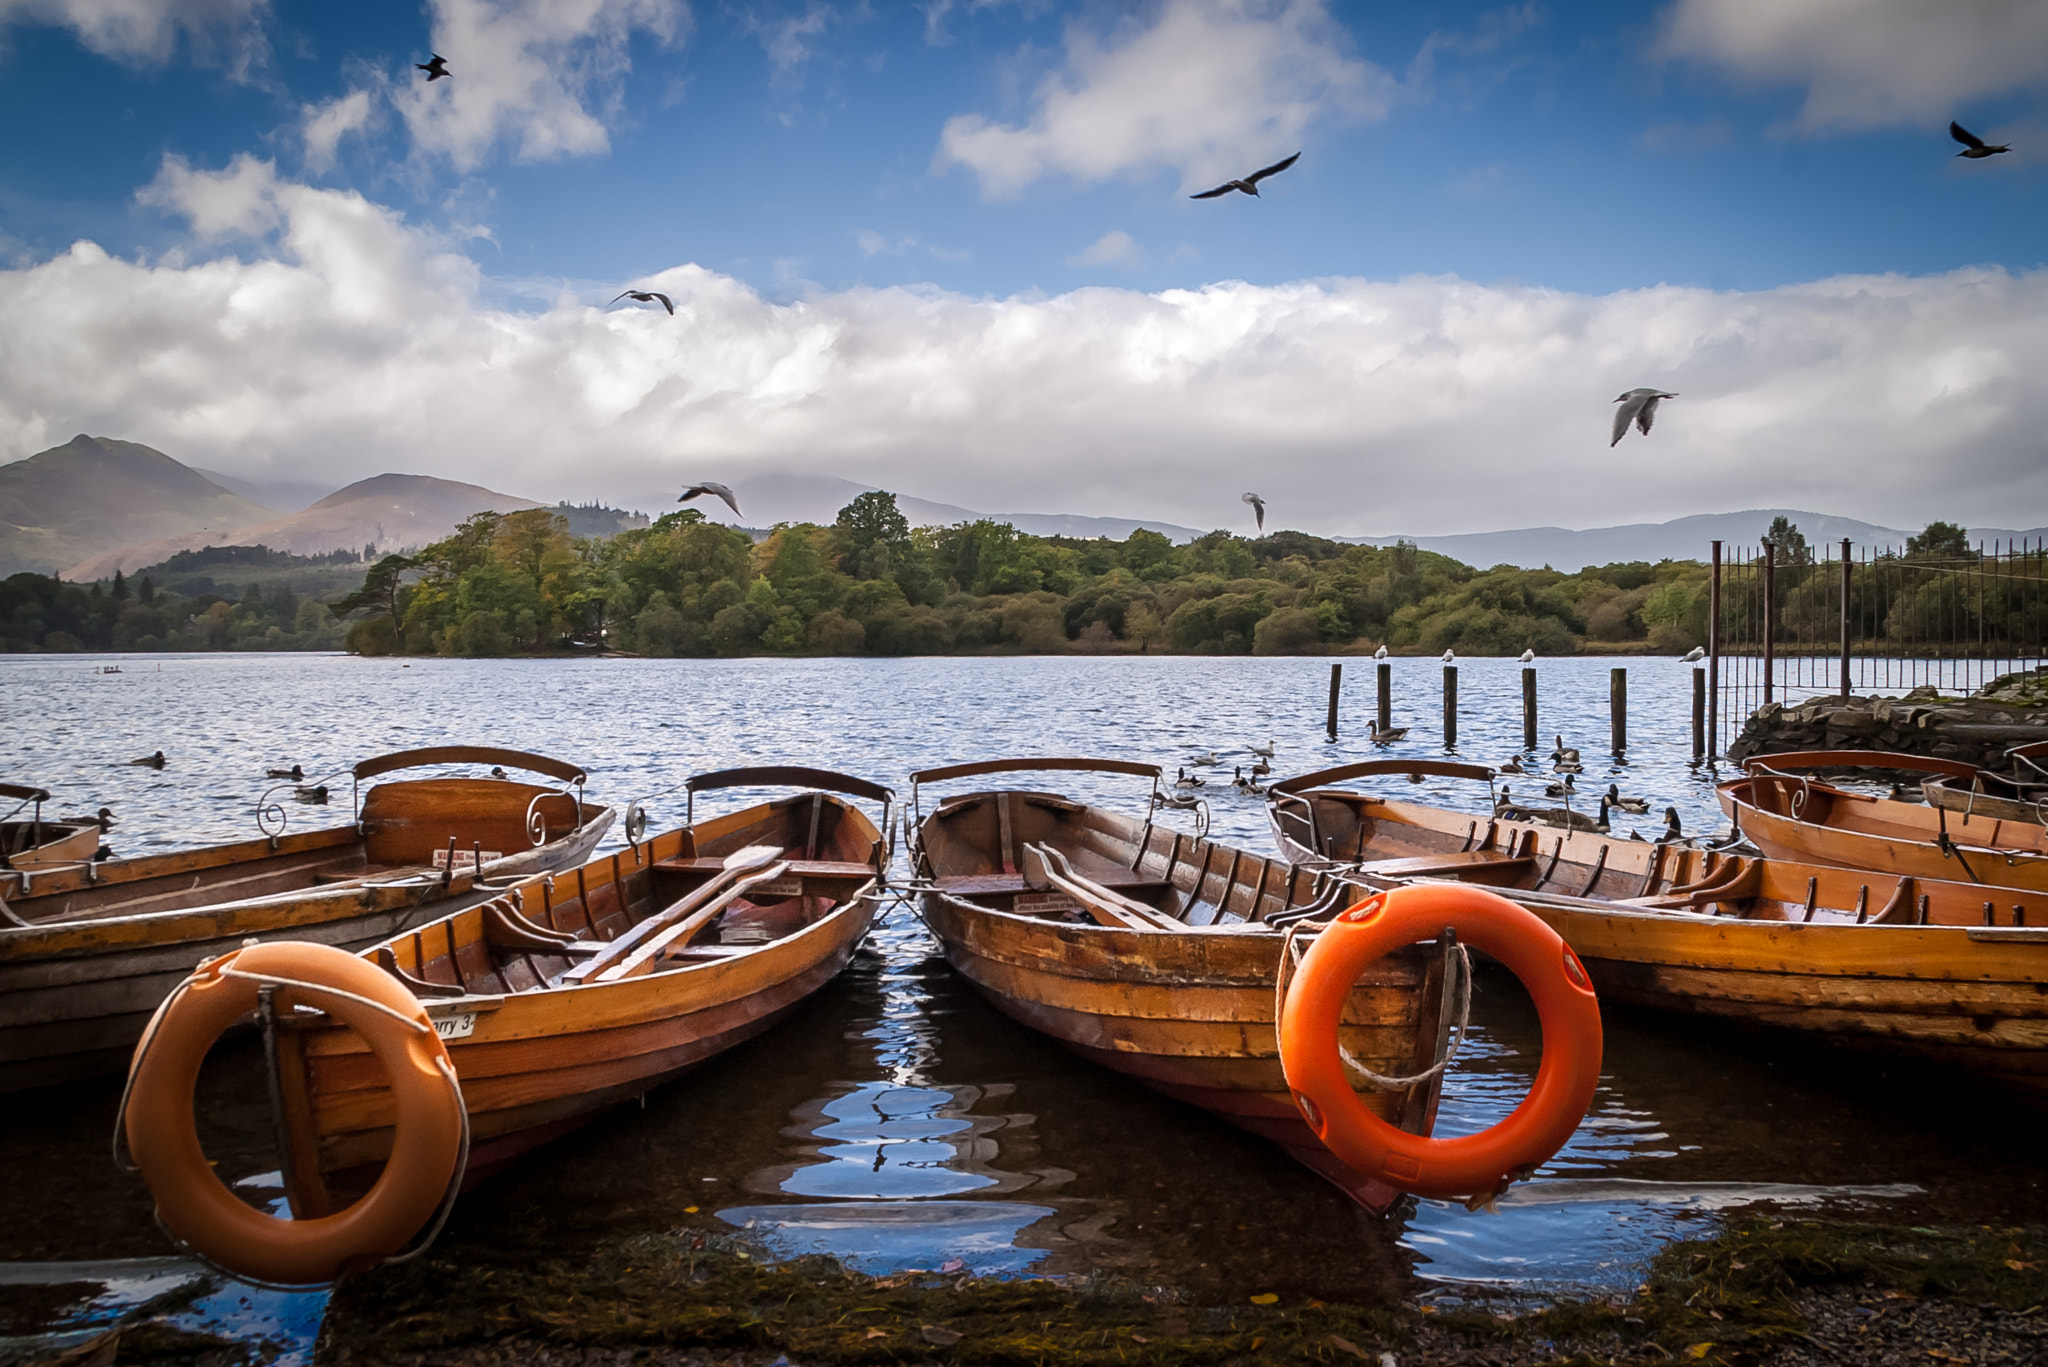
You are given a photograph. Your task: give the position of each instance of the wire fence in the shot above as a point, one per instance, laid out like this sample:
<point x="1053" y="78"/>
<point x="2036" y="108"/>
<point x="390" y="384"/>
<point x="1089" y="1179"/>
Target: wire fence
<point x="1787" y="625"/>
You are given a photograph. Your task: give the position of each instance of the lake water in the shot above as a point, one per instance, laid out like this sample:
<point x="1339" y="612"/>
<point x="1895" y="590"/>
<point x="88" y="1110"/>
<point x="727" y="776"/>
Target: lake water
<point x="897" y="1121"/>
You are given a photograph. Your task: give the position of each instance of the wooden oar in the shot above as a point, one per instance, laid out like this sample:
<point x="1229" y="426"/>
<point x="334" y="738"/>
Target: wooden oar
<point x="737" y="865"/>
<point x="1107" y="907"/>
<point x="642" y="960"/>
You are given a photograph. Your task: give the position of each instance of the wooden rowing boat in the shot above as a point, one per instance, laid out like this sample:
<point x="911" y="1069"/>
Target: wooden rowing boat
<point x="2021" y="796"/>
<point x="1791" y="815"/>
<point x="1953" y="972"/>
<point x="1147" y="950"/>
<point x="88" y="949"/>
<point x="38" y="843"/>
<point x="569" y="993"/>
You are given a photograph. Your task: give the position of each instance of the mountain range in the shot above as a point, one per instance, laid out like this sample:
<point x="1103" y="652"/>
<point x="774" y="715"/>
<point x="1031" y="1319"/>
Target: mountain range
<point x="96" y="505"/>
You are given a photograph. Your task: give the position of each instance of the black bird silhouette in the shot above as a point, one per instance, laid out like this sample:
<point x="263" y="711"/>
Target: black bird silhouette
<point x="1974" y="147"/>
<point x="155" y="761"/>
<point x="648" y="297"/>
<point x="294" y="772"/>
<point x="435" y="69"/>
<point x="708" y="487"/>
<point x="1250" y="184"/>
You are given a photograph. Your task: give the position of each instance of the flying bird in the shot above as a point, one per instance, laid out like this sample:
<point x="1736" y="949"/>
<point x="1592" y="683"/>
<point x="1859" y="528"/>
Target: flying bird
<point x="1974" y="147"/>
<point x="648" y="297"/>
<point x="435" y="69"/>
<point x="708" y="487"/>
<point x="1258" y="506"/>
<point x="1250" y="184"/>
<point x="1638" y="406"/>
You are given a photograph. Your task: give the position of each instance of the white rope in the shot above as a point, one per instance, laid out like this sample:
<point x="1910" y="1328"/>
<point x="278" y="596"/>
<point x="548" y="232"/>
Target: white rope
<point x="272" y="980"/>
<point x="1291" y="957"/>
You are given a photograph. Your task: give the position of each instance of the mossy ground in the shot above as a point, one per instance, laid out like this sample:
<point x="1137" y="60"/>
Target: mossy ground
<point x="1759" y="1291"/>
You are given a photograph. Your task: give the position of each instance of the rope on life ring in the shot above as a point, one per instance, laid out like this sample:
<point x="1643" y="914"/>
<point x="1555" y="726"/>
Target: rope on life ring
<point x="1475" y="1167"/>
<point x="428" y="1148"/>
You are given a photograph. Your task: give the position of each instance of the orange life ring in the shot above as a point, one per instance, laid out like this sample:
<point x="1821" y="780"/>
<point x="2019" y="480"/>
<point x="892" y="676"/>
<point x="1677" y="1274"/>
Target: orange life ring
<point x="192" y="1202"/>
<point x="1473" y="1165"/>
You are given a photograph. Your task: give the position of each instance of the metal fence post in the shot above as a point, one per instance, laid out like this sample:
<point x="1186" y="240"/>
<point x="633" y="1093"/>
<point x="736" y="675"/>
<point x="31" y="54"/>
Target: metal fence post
<point x="1846" y="585"/>
<point x="1714" y="656"/>
<point x="1770" y="609"/>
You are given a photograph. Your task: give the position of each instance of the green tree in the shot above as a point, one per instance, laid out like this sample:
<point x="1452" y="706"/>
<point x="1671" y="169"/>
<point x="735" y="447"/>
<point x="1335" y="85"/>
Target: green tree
<point x="1940" y="541"/>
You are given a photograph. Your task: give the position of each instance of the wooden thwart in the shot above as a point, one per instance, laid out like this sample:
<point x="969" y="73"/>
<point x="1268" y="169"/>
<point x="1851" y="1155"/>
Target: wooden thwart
<point x="1043" y="863"/>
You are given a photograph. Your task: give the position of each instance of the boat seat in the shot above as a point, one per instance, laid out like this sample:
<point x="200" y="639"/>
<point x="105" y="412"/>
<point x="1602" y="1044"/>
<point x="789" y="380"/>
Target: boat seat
<point x="990" y="884"/>
<point x="1433" y="865"/>
<point x="798" y="868"/>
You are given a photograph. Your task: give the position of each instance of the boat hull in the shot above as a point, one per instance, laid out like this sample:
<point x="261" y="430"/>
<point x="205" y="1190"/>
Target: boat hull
<point x="1783" y="945"/>
<point x="1187" y="1011"/>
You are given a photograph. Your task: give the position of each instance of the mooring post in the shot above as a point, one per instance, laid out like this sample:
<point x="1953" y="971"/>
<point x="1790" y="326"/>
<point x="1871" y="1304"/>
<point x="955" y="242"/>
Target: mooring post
<point x="1336" y="678"/>
<point x="1846" y="585"/>
<point x="1528" y="707"/>
<point x="1617" y="707"/>
<point x="1699" y="714"/>
<point x="1386" y="672"/>
<point x="1714" y="656"/>
<point x="1450" y="707"/>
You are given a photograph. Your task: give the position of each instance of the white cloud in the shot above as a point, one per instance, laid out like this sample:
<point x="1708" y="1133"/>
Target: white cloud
<point x="324" y="126"/>
<point x="542" y="75"/>
<point x="146" y="32"/>
<point x="342" y="342"/>
<point x="1113" y="248"/>
<point x="1868" y="63"/>
<point x="1212" y="88"/>
<point x="788" y="39"/>
<point x="1687" y="137"/>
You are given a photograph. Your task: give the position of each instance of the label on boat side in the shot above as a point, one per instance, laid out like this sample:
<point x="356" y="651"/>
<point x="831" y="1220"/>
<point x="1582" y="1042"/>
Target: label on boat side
<point x="455" y="1025"/>
<point x="1042" y="903"/>
<point x="466" y="857"/>
<point x="792" y="886"/>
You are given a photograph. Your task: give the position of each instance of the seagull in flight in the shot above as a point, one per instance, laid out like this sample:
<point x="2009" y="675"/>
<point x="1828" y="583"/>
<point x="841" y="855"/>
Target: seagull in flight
<point x="709" y="487"/>
<point x="1250" y="184"/>
<point x="648" y="297"/>
<point x="1974" y="147"/>
<point x="1258" y="506"/>
<point x="1638" y="406"/>
<point x="435" y="69"/>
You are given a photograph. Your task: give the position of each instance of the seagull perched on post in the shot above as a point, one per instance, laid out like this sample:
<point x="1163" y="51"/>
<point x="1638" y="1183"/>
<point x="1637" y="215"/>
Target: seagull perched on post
<point x="708" y="487"/>
<point x="1528" y="656"/>
<point x="1258" y="506"/>
<point x="648" y="297"/>
<point x="1974" y="147"/>
<point x="1638" y="406"/>
<point x="1693" y="656"/>
<point x="1250" y="184"/>
<point x="1380" y="654"/>
<point x="1449" y="657"/>
<point x="435" y="69"/>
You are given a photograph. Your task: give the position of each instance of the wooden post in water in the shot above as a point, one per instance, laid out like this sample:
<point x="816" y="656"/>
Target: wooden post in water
<point x="1846" y="584"/>
<point x="1699" y="714"/>
<point x="1450" y="707"/>
<point x="1336" y="678"/>
<point x="1528" y="707"/>
<point x="1617" y="707"/>
<point x="1386" y="673"/>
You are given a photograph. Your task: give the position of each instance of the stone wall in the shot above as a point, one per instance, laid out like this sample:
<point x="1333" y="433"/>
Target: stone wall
<point x="2010" y="710"/>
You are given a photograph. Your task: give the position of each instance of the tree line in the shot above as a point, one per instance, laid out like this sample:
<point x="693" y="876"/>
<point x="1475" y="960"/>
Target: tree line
<point x="870" y="583"/>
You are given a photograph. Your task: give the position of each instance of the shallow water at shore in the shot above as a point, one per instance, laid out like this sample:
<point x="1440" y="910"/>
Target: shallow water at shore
<point x="898" y="1121"/>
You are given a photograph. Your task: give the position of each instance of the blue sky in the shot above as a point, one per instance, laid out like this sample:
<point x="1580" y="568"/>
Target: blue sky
<point x="925" y="177"/>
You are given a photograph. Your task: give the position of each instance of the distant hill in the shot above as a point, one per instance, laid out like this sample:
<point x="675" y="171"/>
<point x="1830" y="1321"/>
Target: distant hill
<point x="94" y="494"/>
<point x="384" y="512"/>
<point x="1685" y="538"/>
